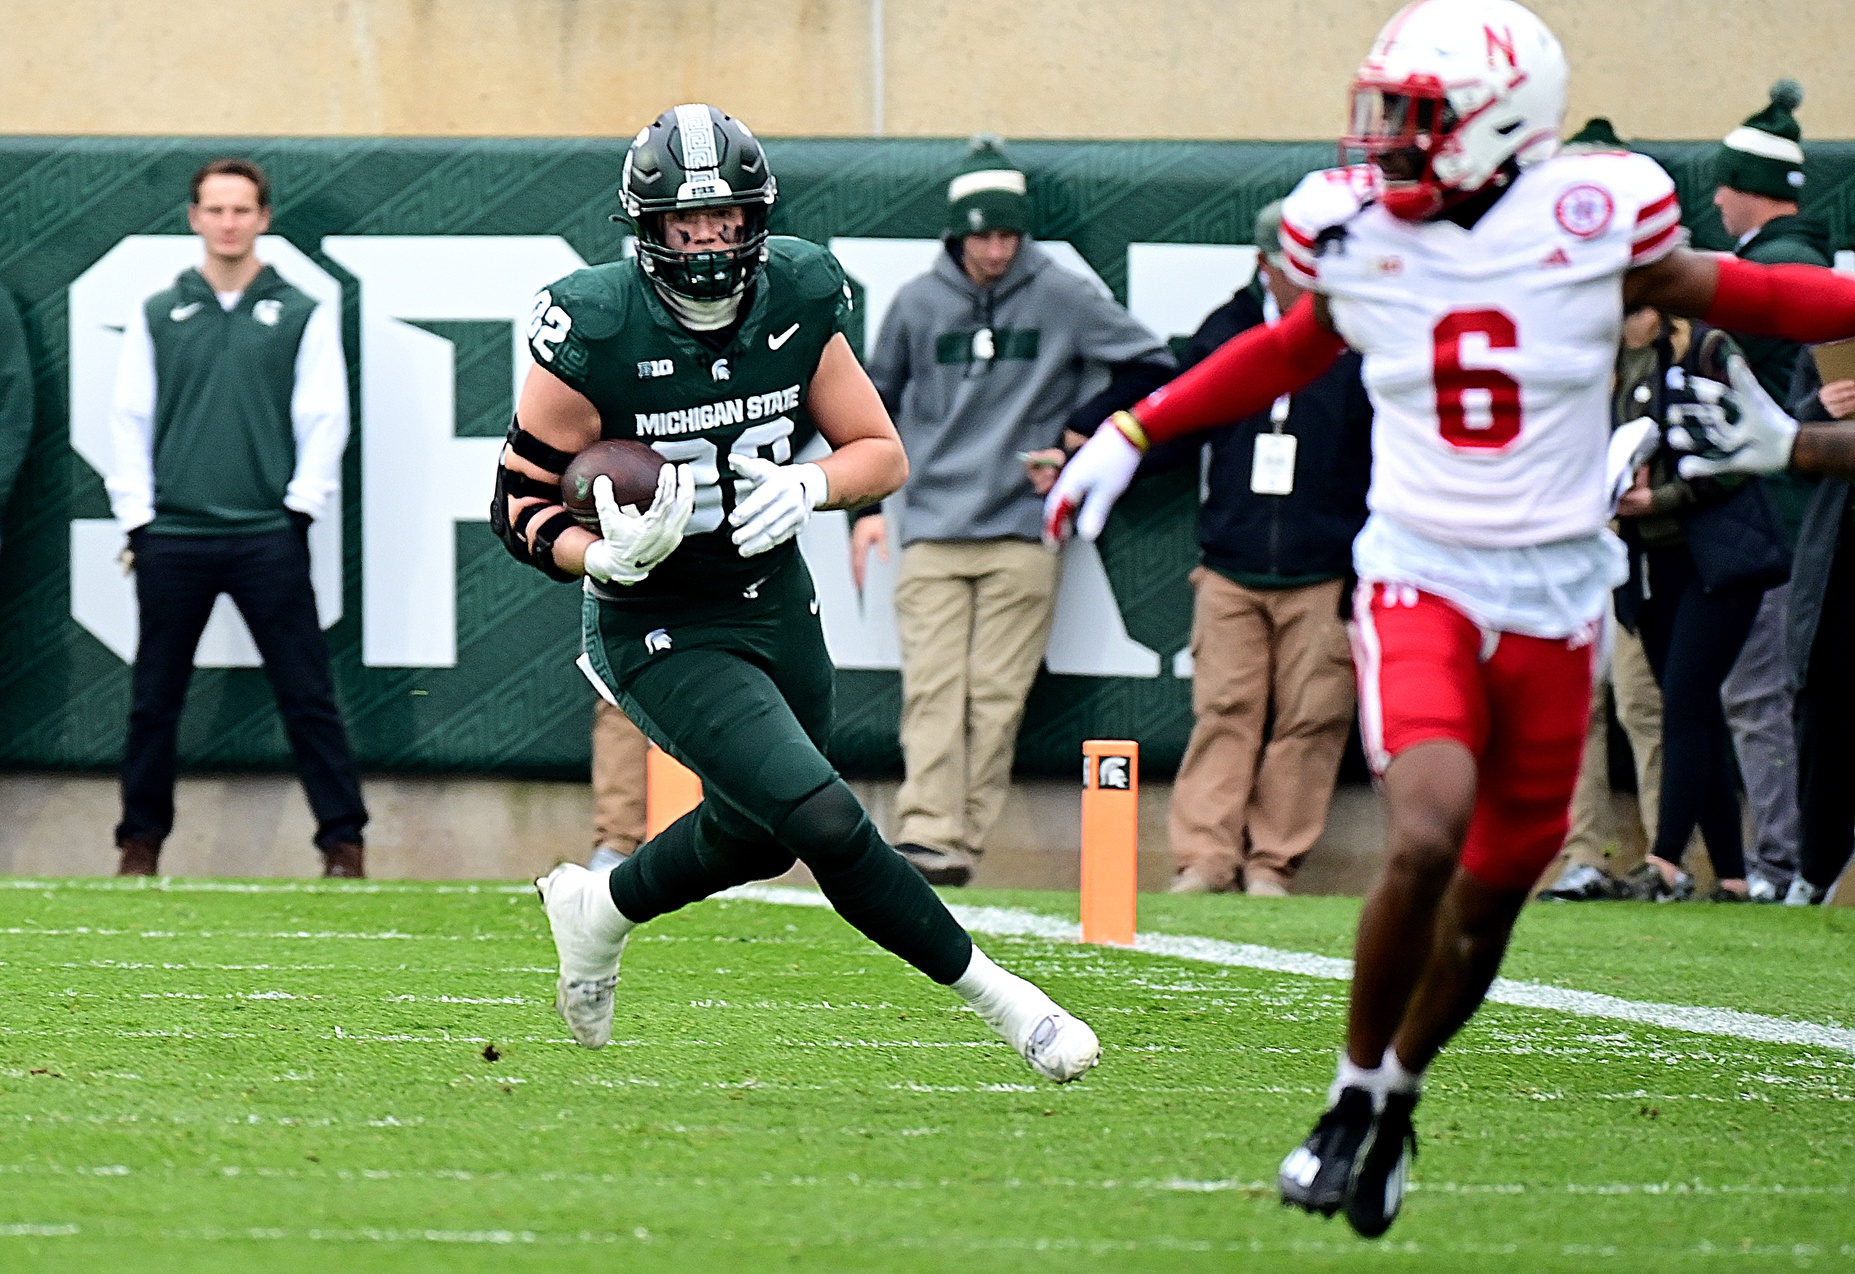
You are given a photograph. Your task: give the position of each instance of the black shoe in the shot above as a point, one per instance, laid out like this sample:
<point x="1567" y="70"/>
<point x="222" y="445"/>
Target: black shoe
<point x="1645" y="883"/>
<point x="1377" y="1189"/>
<point x="1314" y="1177"/>
<point x="344" y="861"/>
<point x="938" y="866"/>
<point x="1584" y="883"/>
<point x="141" y="856"/>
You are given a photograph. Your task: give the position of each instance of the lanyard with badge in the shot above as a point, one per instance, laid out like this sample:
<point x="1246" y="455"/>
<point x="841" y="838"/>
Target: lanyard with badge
<point x="1272" y="467"/>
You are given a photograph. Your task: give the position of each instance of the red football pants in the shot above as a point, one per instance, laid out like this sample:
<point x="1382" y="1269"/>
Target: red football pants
<point x="1519" y="704"/>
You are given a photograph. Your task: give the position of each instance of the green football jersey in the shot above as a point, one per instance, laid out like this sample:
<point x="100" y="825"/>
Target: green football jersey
<point x="605" y="332"/>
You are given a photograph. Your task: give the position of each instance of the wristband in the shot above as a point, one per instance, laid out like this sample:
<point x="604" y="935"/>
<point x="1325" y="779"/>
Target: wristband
<point x="1130" y="429"/>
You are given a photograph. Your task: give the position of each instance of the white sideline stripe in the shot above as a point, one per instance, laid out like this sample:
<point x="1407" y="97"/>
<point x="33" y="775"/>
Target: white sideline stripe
<point x="1011" y="922"/>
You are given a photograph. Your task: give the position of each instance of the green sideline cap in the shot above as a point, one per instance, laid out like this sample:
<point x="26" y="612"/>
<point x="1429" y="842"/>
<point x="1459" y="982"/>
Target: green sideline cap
<point x="988" y="192"/>
<point x="1763" y="156"/>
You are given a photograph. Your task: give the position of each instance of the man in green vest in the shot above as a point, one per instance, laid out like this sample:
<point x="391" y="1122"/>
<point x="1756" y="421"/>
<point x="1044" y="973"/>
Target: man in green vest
<point x="227" y="430"/>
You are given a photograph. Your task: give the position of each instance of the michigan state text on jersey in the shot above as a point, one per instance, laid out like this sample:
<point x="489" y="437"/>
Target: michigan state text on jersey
<point x="723" y="349"/>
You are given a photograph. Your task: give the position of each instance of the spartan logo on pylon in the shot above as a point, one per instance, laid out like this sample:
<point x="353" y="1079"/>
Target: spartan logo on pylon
<point x="1111" y="773"/>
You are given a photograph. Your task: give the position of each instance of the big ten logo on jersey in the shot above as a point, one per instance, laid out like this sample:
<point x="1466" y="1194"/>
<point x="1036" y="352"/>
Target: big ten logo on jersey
<point x="652" y="368"/>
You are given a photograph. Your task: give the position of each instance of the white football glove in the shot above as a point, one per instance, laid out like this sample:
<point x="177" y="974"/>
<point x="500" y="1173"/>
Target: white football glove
<point x="636" y="542"/>
<point x="1736" y="430"/>
<point x="1630" y="448"/>
<point x="1092" y="481"/>
<point x="780" y="504"/>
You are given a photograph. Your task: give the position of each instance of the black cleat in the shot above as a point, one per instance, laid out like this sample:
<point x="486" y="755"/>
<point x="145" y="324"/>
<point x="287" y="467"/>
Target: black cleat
<point x="1377" y="1188"/>
<point x="1314" y="1177"/>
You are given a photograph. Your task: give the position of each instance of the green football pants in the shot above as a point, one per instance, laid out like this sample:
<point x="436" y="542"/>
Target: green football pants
<point x="740" y="691"/>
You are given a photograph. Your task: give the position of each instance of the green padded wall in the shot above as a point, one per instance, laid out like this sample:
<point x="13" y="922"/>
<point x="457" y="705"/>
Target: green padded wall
<point x="514" y="703"/>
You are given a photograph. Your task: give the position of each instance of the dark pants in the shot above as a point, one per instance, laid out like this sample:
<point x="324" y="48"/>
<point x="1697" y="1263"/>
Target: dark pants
<point x="1693" y="638"/>
<point x="1826" y="731"/>
<point x="177" y="580"/>
<point x="740" y="691"/>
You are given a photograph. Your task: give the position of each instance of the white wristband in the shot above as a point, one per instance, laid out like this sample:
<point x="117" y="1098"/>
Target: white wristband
<point x="815" y="484"/>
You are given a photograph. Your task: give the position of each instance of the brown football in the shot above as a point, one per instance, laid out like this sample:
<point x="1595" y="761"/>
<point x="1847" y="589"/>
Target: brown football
<point x="632" y="466"/>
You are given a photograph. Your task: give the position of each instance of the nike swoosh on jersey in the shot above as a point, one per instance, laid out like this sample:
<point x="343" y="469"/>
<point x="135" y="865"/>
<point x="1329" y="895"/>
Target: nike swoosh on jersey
<point x="181" y="313"/>
<point x="774" y="342"/>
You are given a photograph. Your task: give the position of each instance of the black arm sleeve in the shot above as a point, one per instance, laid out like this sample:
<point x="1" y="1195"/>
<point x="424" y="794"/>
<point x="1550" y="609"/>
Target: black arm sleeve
<point x="1805" y="401"/>
<point x="546" y="520"/>
<point x="1129" y="384"/>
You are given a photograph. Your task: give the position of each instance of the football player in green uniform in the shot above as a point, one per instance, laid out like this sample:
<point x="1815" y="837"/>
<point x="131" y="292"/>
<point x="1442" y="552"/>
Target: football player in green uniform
<point x="723" y="348"/>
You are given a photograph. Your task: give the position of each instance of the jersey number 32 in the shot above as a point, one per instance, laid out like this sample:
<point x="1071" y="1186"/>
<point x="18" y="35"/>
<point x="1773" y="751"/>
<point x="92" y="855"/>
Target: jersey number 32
<point x="1498" y="421"/>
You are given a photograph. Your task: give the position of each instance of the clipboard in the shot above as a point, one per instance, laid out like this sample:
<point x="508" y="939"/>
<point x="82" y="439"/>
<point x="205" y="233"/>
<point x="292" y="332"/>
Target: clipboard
<point x="1835" y="361"/>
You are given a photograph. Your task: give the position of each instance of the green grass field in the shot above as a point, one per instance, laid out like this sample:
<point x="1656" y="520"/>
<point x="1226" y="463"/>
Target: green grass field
<point x="275" y="1078"/>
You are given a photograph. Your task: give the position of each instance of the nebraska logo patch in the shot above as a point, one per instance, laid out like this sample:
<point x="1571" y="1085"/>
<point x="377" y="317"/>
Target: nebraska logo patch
<point x="1585" y="211"/>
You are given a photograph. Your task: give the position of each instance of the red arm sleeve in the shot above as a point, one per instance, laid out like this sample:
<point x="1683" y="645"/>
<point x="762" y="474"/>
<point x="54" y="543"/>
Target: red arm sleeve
<point x="1246" y="375"/>
<point x="1795" y="302"/>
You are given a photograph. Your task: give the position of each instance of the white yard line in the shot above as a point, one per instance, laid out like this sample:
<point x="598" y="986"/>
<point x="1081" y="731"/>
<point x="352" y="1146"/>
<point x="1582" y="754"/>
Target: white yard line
<point x="1011" y="922"/>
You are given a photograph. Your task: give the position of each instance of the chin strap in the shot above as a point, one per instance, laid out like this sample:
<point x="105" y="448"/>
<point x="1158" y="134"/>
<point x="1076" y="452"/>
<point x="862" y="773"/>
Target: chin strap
<point x="1243" y="377"/>
<point x="1807" y="303"/>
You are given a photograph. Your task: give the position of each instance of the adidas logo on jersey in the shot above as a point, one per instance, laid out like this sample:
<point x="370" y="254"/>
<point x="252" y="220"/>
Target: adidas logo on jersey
<point x="1555" y="260"/>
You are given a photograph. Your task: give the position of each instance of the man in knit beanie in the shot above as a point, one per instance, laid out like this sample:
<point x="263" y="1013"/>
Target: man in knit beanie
<point x="985" y="363"/>
<point x="1760" y="174"/>
<point x="989" y="193"/>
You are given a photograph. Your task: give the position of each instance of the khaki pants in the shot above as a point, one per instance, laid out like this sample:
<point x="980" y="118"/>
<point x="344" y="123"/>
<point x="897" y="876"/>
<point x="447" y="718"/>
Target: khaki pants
<point x="1639" y="711"/>
<point x="973" y="618"/>
<point x="618" y="779"/>
<point x="1252" y="648"/>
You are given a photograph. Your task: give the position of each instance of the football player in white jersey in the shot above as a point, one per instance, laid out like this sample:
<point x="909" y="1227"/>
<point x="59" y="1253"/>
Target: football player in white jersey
<point x="1484" y="277"/>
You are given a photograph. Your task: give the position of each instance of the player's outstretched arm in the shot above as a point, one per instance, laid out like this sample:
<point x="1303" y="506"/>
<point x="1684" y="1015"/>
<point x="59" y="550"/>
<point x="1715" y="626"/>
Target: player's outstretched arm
<point x="1244" y="376"/>
<point x="1809" y="303"/>
<point x="559" y="422"/>
<point x="1797" y="302"/>
<point x="866" y="461"/>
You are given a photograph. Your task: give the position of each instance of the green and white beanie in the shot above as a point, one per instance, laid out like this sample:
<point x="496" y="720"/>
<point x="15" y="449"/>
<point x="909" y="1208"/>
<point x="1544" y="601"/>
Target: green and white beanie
<point x="989" y="192"/>
<point x="1763" y="156"/>
<point x="1597" y="135"/>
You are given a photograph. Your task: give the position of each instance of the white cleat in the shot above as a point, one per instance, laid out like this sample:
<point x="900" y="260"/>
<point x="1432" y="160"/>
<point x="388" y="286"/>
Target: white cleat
<point x="1058" y="1046"/>
<point x="589" y="936"/>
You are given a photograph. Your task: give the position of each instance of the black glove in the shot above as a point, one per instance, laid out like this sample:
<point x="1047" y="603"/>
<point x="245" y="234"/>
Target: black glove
<point x="300" y="521"/>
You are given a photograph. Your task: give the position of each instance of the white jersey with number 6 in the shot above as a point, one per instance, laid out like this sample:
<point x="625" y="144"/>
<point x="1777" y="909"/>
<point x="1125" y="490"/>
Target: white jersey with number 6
<point x="1488" y="351"/>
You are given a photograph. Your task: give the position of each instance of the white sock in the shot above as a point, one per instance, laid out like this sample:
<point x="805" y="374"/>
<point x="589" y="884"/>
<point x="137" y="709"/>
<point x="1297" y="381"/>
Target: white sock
<point x="1352" y="1075"/>
<point x="612" y="922"/>
<point x="1394" y="1078"/>
<point x="985" y="981"/>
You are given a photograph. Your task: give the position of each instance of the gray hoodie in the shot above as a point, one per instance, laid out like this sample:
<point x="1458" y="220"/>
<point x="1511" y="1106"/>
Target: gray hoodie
<point x="973" y="376"/>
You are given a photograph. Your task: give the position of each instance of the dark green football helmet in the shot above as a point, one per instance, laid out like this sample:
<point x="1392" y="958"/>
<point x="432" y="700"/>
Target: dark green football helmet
<point x="693" y="157"/>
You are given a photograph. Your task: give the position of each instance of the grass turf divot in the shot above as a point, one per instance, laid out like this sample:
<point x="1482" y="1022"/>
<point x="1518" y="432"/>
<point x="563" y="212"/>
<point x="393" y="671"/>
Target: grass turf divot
<point x="222" y="1076"/>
